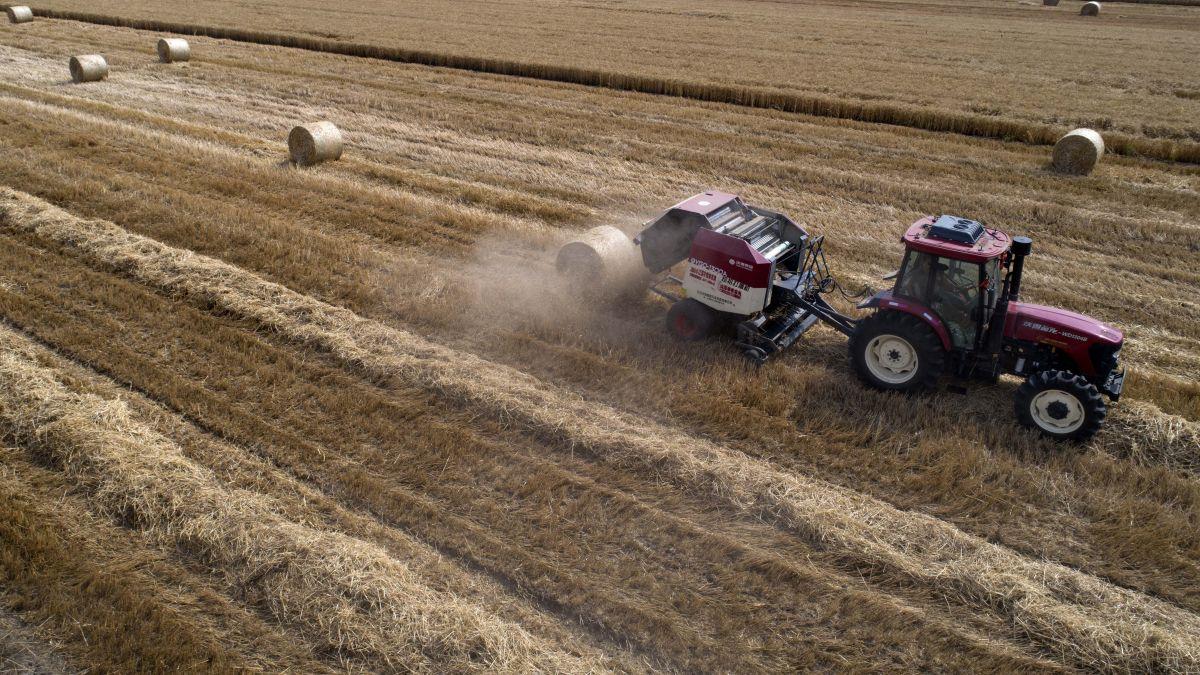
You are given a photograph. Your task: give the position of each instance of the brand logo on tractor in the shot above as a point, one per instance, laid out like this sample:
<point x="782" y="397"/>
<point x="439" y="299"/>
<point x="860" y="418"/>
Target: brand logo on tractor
<point x="738" y="263"/>
<point x="1041" y="327"/>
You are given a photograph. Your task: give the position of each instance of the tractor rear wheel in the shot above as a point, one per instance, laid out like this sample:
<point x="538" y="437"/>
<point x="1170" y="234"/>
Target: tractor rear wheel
<point x="691" y="320"/>
<point x="1061" y="405"/>
<point x="897" y="352"/>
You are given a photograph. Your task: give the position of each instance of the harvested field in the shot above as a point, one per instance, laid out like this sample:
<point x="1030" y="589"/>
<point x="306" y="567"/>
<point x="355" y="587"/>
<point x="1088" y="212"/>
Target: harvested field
<point x="999" y="69"/>
<point x="343" y="417"/>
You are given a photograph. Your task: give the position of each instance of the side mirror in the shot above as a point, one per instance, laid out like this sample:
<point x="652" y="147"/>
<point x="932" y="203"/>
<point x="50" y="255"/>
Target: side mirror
<point x="890" y="275"/>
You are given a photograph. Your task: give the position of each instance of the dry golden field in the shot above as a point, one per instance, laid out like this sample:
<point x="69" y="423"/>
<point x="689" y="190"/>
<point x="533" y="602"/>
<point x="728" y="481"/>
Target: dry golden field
<point x="994" y="67"/>
<point x="343" y="418"/>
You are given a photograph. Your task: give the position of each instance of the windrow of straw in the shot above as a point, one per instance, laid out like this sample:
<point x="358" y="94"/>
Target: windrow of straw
<point x="350" y="593"/>
<point x="108" y="600"/>
<point x="1077" y="617"/>
<point x="753" y="97"/>
<point x="1149" y="436"/>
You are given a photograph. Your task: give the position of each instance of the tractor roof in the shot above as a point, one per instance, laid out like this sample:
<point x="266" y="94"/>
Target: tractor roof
<point x="957" y="238"/>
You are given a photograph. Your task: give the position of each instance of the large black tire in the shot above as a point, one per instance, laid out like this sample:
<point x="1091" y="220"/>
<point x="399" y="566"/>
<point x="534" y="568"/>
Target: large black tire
<point x="691" y="320"/>
<point x="896" y="351"/>
<point x="1061" y="405"/>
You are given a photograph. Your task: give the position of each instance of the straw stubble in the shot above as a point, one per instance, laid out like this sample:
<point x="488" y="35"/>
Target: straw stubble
<point x="1084" y="620"/>
<point x="361" y="601"/>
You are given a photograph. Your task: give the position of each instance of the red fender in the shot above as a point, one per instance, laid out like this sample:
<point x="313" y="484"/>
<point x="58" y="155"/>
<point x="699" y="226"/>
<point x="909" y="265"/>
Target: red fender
<point x="884" y="300"/>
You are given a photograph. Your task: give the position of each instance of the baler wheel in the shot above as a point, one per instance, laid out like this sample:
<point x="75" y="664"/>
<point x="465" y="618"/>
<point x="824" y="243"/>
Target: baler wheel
<point x="691" y="320"/>
<point x="897" y="352"/>
<point x="1061" y="405"/>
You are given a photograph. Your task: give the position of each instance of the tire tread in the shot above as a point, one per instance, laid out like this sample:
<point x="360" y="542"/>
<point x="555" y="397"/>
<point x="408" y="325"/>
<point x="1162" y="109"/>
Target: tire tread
<point x="1095" y="409"/>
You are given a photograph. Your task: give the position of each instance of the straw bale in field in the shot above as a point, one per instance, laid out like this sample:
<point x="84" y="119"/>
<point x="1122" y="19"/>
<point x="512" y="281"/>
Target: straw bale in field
<point x="1090" y="9"/>
<point x="310" y="144"/>
<point x="88" y="68"/>
<point x="174" y="50"/>
<point x="603" y="263"/>
<point x="19" y="14"/>
<point x="1078" y="152"/>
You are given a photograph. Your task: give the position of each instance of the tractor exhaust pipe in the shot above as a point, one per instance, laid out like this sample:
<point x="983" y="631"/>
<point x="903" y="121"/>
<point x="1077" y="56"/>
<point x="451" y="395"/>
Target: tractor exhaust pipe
<point x="1020" y="248"/>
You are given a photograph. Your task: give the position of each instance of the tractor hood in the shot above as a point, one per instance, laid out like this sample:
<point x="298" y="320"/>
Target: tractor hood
<point x="1058" y="326"/>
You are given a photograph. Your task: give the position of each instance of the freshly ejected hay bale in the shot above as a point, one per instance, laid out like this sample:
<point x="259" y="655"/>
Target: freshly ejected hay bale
<point x="603" y="263"/>
<point x="19" y="14"/>
<point x="174" y="50"/>
<point x="88" y="68"/>
<point x="1090" y="9"/>
<point x="310" y="144"/>
<point x="1078" y="151"/>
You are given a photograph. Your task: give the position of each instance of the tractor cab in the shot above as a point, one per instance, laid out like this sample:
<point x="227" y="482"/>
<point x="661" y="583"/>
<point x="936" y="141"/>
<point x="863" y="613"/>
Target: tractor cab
<point x="951" y="271"/>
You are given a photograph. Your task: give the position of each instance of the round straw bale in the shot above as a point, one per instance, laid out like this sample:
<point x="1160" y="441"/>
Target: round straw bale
<point x="1090" y="9"/>
<point x="1078" y="151"/>
<point x="88" y="68"/>
<point x="603" y="263"/>
<point x="19" y="14"/>
<point x="172" y="50"/>
<point x="311" y="144"/>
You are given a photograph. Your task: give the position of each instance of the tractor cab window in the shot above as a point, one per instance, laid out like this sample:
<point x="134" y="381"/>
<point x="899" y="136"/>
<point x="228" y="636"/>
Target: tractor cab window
<point x="949" y="287"/>
<point x="913" y="281"/>
<point x="955" y="298"/>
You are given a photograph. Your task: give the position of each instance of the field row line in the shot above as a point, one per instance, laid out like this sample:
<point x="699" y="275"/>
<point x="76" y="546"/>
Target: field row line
<point x="350" y="592"/>
<point x="752" y="97"/>
<point x="1081" y="618"/>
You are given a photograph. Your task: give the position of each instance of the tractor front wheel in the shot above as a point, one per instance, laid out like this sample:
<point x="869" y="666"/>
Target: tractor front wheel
<point x="897" y="351"/>
<point x="691" y="320"/>
<point x="1061" y="405"/>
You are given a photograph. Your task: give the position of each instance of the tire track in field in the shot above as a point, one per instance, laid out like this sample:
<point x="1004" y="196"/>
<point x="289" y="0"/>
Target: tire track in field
<point x="1085" y="620"/>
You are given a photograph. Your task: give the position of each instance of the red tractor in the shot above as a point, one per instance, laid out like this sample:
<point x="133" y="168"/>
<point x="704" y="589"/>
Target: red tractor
<point x="954" y="306"/>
